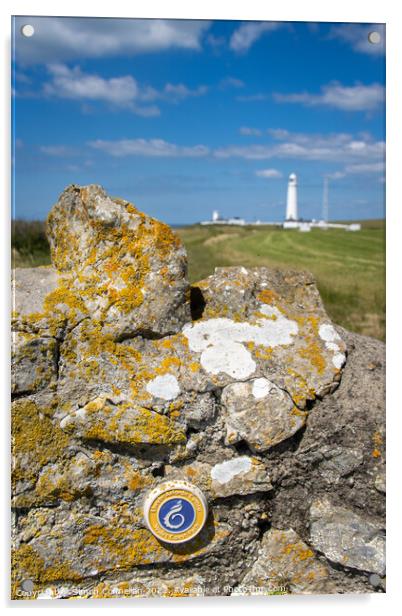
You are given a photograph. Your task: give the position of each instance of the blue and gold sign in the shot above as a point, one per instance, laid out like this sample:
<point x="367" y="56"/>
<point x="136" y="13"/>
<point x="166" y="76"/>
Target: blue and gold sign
<point x="175" y="511"/>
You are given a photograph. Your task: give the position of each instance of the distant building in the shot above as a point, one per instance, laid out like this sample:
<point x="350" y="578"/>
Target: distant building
<point x="292" y="219"/>
<point x="217" y="220"/>
<point x="291" y="202"/>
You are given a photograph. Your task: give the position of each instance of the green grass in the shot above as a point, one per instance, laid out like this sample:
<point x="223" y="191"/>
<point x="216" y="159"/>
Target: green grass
<point x="349" y="267"/>
<point x="30" y="247"/>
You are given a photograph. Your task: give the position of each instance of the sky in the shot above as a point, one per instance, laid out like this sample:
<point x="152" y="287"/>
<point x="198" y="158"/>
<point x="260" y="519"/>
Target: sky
<point x="183" y="117"/>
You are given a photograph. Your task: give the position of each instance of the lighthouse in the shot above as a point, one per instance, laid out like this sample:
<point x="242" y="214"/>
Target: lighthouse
<point x="291" y="203"/>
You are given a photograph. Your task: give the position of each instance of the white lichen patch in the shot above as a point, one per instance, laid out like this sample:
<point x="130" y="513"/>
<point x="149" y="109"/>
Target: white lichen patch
<point x="338" y="360"/>
<point x="220" y="342"/>
<point x="231" y="358"/>
<point x="226" y="471"/>
<point x="261" y="388"/>
<point x="332" y="339"/>
<point x="328" y="333"/>
<point x="165" y="386"/>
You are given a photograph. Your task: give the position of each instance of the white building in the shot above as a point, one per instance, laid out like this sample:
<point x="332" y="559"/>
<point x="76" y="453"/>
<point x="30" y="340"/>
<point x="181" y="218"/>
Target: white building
<point x="291" y="202"/>
<point x="292" y="220"/>
<point x="292" y="214"/>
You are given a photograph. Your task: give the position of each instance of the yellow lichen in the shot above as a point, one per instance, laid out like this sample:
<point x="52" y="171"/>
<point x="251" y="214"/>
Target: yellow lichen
<point x="312" y="352"/>
<point x="36" y="440"/>
<point x="268" y="297"/>
<point x="125" y="424"/>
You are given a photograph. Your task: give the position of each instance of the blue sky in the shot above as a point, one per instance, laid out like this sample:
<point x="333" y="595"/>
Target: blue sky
<point x="183" y="117"/>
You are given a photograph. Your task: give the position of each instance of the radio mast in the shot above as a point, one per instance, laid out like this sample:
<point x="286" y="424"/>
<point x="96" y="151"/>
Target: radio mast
<point x="325" y="206"/>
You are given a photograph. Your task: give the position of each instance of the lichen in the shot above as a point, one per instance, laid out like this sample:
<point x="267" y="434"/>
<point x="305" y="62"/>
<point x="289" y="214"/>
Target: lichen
<point x="313" y="353"/>
<point x="104" y="421"/>
<point x="36" y="441"/>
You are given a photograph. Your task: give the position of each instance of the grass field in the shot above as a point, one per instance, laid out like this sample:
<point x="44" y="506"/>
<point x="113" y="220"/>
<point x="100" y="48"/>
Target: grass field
<point x="349" y="267"/>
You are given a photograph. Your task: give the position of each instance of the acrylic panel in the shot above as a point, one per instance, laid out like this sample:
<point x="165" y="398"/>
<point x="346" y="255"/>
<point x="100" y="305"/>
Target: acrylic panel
<point x="198" y="308"/>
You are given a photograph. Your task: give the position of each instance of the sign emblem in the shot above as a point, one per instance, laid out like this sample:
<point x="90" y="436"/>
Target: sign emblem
<point x="175" y="511"/>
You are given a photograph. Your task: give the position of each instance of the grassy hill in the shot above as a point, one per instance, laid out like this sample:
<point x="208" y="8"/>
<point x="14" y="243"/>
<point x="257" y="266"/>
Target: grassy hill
<point x="349" y="267"/>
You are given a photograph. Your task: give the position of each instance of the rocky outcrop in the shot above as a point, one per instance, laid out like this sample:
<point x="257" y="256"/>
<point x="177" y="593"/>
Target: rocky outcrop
<point x="124" y="375"/>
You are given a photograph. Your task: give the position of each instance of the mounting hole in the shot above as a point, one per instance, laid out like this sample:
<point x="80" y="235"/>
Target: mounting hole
<point x="27" y="30"/>
<point x="374" y="38"/>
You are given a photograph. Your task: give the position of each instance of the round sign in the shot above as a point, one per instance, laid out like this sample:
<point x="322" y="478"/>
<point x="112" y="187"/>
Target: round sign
<point x="175" y="511"/>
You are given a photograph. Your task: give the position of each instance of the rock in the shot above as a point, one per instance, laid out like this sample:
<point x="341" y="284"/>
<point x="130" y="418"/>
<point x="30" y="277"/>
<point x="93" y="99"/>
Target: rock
<point x="101" y="420"/>
<point x="36" y="442"/>
<point x="119" y="260"/>
<point x="74" y="543"/>
<point x="253" y="395"/>
<point x="257" y="322"/>
<point x="380" y="481"/>
<point x="347" y="538"/>
<point x="239" y="475"/>
<point x="30" y="288"/>
<point x="260" y="413"/>
<point x="285" y="564"/>
<point x="44" y="303"/>
<point x="339" y="462"/>
<point x="34" y="362"/>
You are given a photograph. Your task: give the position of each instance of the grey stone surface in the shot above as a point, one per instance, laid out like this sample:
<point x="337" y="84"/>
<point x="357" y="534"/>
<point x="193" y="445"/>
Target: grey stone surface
<point x="34" y="363"/>
<point x="239" y="475"/>
<point x="285" y="563"/>
<point x="256" y="397"/>
<point x="347" y="538"/>
<point x="260" y="413"/>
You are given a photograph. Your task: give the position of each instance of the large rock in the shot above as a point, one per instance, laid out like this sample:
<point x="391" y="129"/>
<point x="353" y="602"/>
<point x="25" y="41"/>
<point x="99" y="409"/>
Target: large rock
<point x="129" y="270"/>
<point x="254" y="396"/>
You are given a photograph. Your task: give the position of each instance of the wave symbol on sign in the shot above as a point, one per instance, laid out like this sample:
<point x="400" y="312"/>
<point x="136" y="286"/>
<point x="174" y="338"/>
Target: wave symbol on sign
<point x="172" y="515"/>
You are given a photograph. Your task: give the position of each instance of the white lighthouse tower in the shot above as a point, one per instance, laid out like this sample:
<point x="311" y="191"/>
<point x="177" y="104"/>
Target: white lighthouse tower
<point x="291" y="203"/>
<point x="292" y="216"/>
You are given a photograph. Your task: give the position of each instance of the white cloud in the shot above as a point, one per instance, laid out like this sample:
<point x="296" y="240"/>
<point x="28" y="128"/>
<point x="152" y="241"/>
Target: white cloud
<point x="231" y="82"/>
<point x="124" y="91"/>
<point x="359" y="169"/>
<point x="249" y="32"/>
<point x="57" y="150"/>
<point x="248" y="131"/>
<point x="366" y="168"/>
<point x="348" y="98"/>
<point x="336" y="175"/>
<point x="177" y="92"/>
<point x="268" y="173"/>
<point x="356" y="35"/>
<point x="72" y="83"/>
<point x="359" y="153"/>
<point x="252" y="98"/>
<point x="315" y="139"/>
<point x="148" y="147"/>
<point x="216" y="42"/>
<point x="66" y="38"/>
<point x="342" y="147"/>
